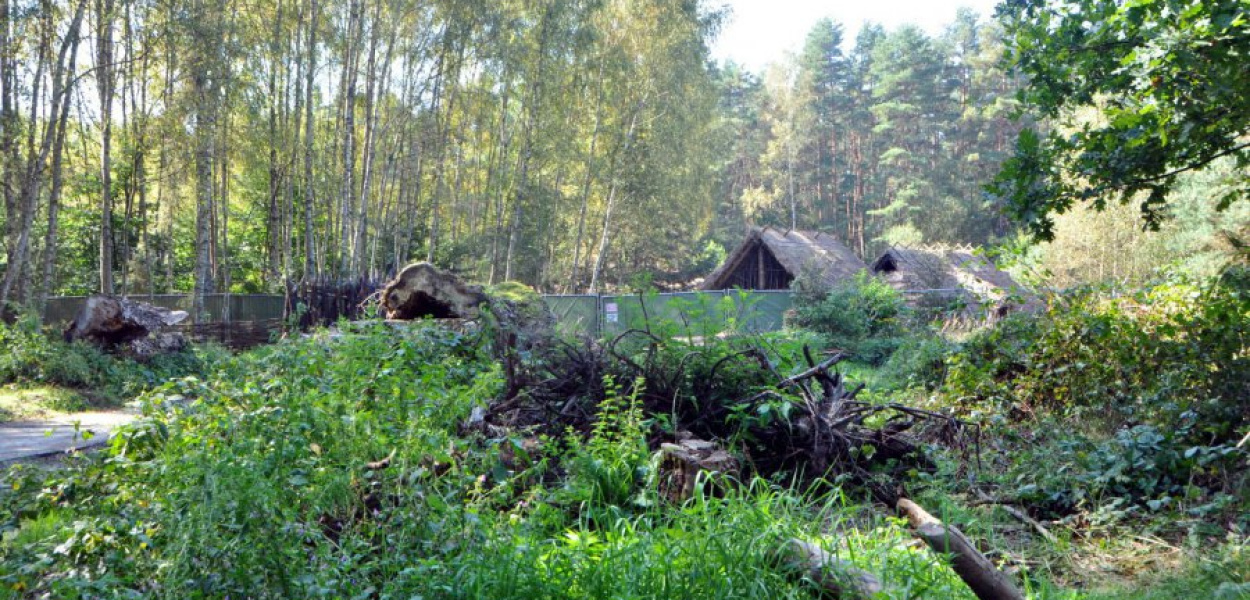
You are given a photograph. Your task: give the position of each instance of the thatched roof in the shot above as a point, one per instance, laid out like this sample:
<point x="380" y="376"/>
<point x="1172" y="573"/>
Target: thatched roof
<point x="945" y="269"/>
<point x="794" y="251"/>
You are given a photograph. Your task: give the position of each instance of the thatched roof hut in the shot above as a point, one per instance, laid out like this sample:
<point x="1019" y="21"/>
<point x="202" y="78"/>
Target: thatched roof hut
<point x="947" y="272"/>
<point x="770" y="259"/>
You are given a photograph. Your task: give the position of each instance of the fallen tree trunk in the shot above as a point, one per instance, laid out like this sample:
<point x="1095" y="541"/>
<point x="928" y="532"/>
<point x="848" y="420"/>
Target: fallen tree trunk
<point x="111" y="321"/>
<point x="836" y="577"/>
<point x="985" y="580"/>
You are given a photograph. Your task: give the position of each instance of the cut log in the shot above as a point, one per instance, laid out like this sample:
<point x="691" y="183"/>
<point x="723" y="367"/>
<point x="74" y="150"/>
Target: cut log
<point x="111" y="321"/>
<point x="837" y="578"/>
<point x="985" y="580"/>
<point x="422" y="290"/>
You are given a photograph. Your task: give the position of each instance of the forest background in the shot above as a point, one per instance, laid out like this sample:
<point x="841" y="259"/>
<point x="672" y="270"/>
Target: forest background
<point x="154" y="146"/>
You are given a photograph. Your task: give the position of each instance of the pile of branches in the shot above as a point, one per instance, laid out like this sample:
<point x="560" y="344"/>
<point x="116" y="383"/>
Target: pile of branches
<point x="809" y="424"/>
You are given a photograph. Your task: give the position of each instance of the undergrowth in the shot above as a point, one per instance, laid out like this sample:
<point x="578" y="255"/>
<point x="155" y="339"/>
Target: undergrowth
<point x="33" y="357"/>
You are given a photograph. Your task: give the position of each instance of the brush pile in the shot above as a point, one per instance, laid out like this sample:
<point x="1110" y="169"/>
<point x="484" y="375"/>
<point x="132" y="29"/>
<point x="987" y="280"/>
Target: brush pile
<point x="739" y="396"/>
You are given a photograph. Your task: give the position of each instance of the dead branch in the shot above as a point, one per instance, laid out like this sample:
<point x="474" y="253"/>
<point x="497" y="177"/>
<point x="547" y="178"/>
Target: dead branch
<point x="1019" y="515"/>
<point x="378" y="465"/>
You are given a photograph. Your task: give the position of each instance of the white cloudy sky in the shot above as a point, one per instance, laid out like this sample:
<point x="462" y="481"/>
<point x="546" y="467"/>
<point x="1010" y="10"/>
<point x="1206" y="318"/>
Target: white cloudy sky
<point x="761" y="31"/>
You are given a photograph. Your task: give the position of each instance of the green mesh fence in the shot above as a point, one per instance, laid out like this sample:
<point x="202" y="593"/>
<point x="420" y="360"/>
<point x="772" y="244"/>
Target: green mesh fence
<point x="243" y="307"/>
<point x="693" y="313"/>
<point x="575" y="314"/>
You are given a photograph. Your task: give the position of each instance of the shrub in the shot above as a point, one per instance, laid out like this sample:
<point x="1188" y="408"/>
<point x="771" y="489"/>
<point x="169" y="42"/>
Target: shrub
<point x="1171" y="354"/>
<point x="862" y="317"/>
<point x="35" y="358"/>
<point x="1138" y="468"/>
<point x="919" y="361"/>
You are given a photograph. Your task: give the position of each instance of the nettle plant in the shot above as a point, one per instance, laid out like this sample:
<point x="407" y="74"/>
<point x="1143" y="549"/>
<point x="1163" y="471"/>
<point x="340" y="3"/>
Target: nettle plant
<point x="606" y="471"/>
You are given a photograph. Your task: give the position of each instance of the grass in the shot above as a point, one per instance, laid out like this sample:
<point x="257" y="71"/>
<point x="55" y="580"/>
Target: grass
<point x="20" y="403"/>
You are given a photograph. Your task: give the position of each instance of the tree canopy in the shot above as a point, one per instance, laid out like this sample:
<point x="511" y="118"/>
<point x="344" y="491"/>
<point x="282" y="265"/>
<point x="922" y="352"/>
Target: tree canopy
<point x="1137" y="92"/>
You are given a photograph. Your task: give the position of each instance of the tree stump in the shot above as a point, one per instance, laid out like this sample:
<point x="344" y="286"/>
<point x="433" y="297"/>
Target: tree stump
<point x="127" y="326"/>
<point x="682" y="462"/>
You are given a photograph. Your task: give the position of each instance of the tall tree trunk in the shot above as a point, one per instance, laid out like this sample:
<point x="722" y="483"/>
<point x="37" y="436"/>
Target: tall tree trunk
<point x="371" y="126"/>
<point x="597" y="273"/>
<point x="292" y="122"/>
<point x="47" y="284"/>
<point x="310" y="203"/>
<point x="171" y="48"/>
<point x="273" y="227"/>
<point x="37" y="156"/>
<point x="8" y="121"/>
<point x="590" y="175"/>
<point x="205" y="44"/>
<point x="104" y="83"/>
<point x="347" y="249"/>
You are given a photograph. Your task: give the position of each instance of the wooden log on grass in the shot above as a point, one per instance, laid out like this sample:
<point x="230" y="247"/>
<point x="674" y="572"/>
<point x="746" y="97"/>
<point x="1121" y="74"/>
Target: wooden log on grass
<point x="836" y="577"/>
<point x="985" y="580"/>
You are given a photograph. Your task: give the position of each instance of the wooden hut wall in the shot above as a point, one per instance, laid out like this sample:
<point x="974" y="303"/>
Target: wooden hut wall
<point x="760" y="270"/>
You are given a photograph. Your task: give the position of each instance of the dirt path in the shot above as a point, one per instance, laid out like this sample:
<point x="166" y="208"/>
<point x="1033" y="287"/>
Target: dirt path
<point x="21" y="440"/>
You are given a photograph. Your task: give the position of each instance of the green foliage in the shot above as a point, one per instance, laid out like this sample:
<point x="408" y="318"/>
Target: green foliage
<point x="225" y="482"/>
<point x="1138" y="399"/>
<point x="514" y="291"/>
<point x="35" y="358"/>
<point x="1196" y="241"/>
<point x="265" y="479"/>
<point x="1139" y="469"/>
<point x="255" y="483"/>
<point x="862" y="317"/>
<point x="1168" y="84"/>
<point x="886" y="137"/>
<point x="606" y="470"/>
<point x="919" y="361"/>
<point x="1169" y="355"/>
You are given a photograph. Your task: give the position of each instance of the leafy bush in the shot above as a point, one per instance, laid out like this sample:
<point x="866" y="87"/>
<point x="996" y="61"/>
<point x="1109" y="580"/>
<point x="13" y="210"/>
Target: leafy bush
<point x="920" y="361"/>
<point x="1166" y="355"/>
<point x="1140" y="467"/>
<point x="32" y="357"/>
<point x="863" y="316"/>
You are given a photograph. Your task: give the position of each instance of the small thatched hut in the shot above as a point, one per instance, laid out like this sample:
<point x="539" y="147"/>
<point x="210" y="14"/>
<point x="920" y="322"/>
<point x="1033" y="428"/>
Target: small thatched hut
<point x="949" y="272"/>
<point x="770" y="259"/>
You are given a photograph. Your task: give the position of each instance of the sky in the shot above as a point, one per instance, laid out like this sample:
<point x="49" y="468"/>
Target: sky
<point x="762" y="31"/>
